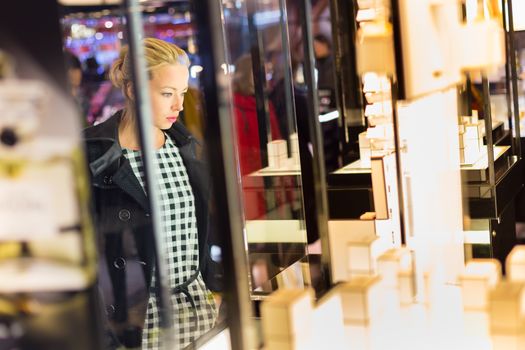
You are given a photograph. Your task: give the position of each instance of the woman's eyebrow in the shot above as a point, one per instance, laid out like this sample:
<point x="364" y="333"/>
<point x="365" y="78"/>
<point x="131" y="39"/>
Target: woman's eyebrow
<point x="173" y="88"/>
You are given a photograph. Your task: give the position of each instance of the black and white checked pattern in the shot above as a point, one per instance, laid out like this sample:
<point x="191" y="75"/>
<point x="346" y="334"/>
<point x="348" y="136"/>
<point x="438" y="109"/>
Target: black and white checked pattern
<point x="178" y="216"/>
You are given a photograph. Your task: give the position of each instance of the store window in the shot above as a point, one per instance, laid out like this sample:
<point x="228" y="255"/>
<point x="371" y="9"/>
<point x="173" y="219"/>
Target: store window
<point x="159" y="290"/>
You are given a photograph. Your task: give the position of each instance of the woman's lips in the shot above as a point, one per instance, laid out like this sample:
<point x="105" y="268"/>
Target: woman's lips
<point x="172" y="119"/>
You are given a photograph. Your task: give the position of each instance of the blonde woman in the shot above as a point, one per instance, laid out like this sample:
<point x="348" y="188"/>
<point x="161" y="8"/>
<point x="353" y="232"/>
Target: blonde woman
<point x="122" y="213"/>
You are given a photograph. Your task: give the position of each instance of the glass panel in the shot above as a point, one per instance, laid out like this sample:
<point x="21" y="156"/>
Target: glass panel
<point x="365" y="97"/>
<point x="266" y="139"/>
<point x="129" y="274"/>
<point x="489" y="160"/>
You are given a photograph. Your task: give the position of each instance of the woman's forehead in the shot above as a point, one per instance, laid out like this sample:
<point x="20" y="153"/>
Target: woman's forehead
<point x="171" y="75"/>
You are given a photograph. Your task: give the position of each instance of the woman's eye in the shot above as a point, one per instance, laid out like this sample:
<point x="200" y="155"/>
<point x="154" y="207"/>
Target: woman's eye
<point x="167" y="94"/>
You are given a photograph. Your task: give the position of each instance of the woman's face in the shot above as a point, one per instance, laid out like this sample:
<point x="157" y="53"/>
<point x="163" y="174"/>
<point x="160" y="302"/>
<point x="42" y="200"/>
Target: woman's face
<point x="168" y="86"/>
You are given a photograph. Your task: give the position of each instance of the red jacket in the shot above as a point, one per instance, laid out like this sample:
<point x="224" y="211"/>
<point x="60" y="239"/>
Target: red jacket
<point x="247" y="130"/>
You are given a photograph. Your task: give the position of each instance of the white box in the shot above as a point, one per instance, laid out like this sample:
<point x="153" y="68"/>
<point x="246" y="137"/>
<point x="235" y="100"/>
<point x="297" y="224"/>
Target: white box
<point x="473" y="144"/>
<point x="328" y="327"/>
<point x="471" y="155"/>
<point x="507" y="342"/>
<point x="365" y="155"/>
<point x="276" y="162"/>
<point x="429" y="56"/>
<point x="340" y="232"/>
<point x="294" y="149"/>
<point x="277" y="148"/>
<point x="473" y="131"/>
<point x="391" y="263"/>
<point x="481" y="45"/>
<point x="506" y="308"/>
<point x="298" y="343"/>
<point x="476" y="323"/>
<point x="364" y="141"/>
<point x="362" y="299"/>
<point x="363" y="249"/>
<point x="478" y="279"/>
<point x="515" y="264"/>
<point x="375" y="50"/>
<point x="407" y="286"/>
<point x="287" y="313"/>
<point x="294" y="142"/>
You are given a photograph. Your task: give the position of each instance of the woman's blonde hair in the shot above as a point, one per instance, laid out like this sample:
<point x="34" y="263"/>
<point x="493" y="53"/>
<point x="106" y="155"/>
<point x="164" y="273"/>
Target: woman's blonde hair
<point x="157" y="52"/>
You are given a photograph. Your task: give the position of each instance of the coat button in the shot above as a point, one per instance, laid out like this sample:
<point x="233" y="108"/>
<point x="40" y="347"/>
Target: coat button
<point x="108" y="180"/>
<point x="124" y="215"/>
<point x="110" y="310"/>
<point x="119" y="263"/>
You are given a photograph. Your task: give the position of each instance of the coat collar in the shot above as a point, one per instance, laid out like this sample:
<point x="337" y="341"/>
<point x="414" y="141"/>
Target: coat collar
<point x="104" y="148"/>
<point x="107" y="163"/>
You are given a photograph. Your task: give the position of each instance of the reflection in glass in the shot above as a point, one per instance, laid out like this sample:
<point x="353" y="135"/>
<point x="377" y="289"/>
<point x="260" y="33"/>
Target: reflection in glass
<point x="122" y="210"/>
<point x="128" y="269"/>
<point x="266" y="138"/>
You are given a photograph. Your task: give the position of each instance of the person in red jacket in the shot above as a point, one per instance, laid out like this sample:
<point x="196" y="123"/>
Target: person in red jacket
<point x="247" y="131"/>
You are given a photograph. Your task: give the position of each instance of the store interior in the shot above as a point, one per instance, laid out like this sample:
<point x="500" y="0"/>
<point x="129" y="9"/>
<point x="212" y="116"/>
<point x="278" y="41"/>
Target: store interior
<point x="352" y="195"/>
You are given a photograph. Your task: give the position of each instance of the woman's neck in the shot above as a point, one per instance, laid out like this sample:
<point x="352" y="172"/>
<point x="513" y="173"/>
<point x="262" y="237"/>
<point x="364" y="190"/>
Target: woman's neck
<point x="128" y="133"/>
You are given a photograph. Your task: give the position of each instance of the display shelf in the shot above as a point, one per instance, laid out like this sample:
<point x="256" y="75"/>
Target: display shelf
<point x="356" y="167"/>
<point x="482" y="162"/>
<point x="355" y="179"/>
<point x="304" y="269"/>
<point x="477" y="174"/>
<point x="269" y="272"/>
<point x="289" y="170"/>
<point x="274" y="231"/>
<point x="508" y="184"/>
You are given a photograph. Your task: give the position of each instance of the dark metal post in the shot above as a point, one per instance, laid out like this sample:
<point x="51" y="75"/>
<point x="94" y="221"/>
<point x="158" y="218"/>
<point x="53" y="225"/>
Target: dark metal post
<point x="398" y="51"/>
<point x="348" y="91"/>
<point x="507" y="74"/>
<point x="259" y="79"/>
<point x="487" y="115"/>
<point x="314" y="131"/>
<point x="514" y="79"/>
<point x="288" y="73"/>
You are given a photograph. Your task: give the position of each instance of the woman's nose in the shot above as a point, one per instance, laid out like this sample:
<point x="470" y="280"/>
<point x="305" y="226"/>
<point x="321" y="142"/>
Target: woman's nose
<point x="177" y="104"/>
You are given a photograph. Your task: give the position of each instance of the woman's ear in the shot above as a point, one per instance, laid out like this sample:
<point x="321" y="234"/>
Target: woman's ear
<point x="129" y="91"/>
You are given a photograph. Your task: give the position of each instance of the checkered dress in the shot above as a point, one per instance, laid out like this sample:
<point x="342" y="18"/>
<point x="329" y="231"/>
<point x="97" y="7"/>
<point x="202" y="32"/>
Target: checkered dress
<point x="194" y="313"/>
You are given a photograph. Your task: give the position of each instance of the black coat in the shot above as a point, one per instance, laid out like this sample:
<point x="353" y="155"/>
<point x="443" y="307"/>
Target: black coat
<point x="121" y="209"/>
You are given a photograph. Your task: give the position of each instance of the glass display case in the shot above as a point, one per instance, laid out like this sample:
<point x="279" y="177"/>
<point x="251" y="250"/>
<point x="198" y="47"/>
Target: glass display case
<point x="250" y="138"/>
<point x="493" y="176"/>
<point x="265" y="136"/>
<point x="167" y="214"/>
